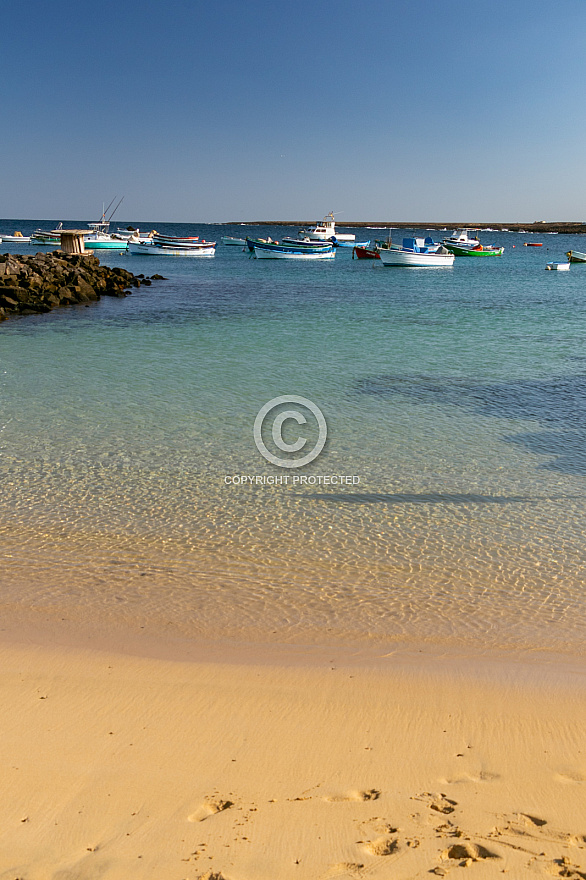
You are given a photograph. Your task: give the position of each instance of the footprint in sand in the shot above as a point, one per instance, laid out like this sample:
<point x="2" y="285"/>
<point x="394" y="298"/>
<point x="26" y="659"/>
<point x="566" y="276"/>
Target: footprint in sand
<point x="483" y="776"/>
<point x="570" y="778"/>
<point x="346" y="869"/>
<point x="438" y="802"/>
<point x="448" y="829"/>
<point x="371" y="794"/>
<point x="211" y="875"/>
<point x="383" y="846"/>
<point x="462" y="852"/>
<point x="379" y="825"/>
<point x="564" y="868"/>
<point x="209" y="808"/>
<point x="523" y="824"/>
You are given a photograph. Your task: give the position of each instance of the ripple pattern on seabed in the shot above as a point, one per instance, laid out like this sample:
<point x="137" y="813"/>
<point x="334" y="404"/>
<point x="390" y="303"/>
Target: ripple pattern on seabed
<point x="458" y="400"/>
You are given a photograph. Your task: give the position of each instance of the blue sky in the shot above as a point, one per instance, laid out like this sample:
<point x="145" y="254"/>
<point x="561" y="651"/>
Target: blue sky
<point x="219" y="111"/>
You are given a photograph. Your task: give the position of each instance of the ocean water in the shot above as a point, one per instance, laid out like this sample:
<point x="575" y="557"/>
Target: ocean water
<point x="454" y="398"/>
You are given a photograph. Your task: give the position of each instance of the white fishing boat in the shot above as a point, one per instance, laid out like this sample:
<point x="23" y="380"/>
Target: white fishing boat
<point x="172" y="246"/>
<point x="462" y="246"/>
<point x="47" y="238"/>
<point x="126" y="234"/>
<point x="576" y="257"/>
<point x="275" y="251"/>
<point x="559" y="267"/>
<point x="99" y="237"/>
<point x="227" y="239"/>
<point x="304" y="243"/>
<point x="417" y="252"/>
<point x="326" y="230"/>
<point x="460" y="238"/>
<point x="16" y="237"/>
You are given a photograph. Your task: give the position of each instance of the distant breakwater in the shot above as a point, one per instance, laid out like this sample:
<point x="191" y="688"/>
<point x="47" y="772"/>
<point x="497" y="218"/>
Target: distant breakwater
<point x="568" y="228"/>
<point x="35" y="284"/>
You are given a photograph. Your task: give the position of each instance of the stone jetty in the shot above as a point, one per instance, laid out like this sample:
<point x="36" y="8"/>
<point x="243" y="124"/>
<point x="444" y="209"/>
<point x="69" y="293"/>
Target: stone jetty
<point x="43" y="281"/>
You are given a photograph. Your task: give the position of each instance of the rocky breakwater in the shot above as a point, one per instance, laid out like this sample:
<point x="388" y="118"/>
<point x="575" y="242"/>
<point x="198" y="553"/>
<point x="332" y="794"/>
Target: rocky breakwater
<point x="41" y="282"/>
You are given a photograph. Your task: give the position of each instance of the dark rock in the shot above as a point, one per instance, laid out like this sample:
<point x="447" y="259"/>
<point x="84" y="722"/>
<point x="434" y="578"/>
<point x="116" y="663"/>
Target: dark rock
<point x="38" y="283"/>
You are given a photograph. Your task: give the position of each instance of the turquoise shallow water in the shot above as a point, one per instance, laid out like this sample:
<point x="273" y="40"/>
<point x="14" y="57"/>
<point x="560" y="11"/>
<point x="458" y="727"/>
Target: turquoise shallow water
<point x="457" y="396"/>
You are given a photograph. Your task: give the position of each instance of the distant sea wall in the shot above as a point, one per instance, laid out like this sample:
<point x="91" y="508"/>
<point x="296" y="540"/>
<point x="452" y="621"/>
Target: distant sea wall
<point x="538" y="226"/>
<point x="38" y="283"/>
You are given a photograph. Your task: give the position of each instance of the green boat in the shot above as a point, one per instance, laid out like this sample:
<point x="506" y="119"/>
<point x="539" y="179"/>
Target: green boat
<point x="462" y="246"/>
<point x="482" y="251"/>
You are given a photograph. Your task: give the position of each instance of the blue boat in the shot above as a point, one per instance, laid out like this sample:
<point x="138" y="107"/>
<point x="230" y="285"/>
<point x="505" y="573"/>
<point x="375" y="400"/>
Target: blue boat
<point x="350" y="244"/>
<point x="274" y="250"/>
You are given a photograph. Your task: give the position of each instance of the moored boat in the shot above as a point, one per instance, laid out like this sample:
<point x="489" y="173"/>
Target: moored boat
<point x="461" y="245"/>
<point x="533" y="243"/>
<point x="16" y="237"/>
<point x="365" y="253"/>
<point x="576" y="257"/>
<point x="274" y="250"/>
<point x="417" y="252"/>
<point x="47" y="238"/>
<point x="227" y="239"/>
<point x="559" y="267"/>
<point x="338" y="242"/>
<point x="99" y="235"/>
<point x="326" y="230"/>
<point x="305" y="243"/>
<point x="172" y="246"/>
<point x="126" y="234"/>
<point x="250" y="242"/>
<point x="99" y="238"/>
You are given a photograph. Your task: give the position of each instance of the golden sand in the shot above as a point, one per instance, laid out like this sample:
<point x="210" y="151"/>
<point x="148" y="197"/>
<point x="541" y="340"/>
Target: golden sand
<point x="117" y="767"/>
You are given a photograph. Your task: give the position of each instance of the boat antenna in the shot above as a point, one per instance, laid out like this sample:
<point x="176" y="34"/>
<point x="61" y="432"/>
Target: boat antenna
<point x="116" y="208"/>
<point x="107" y="209"/>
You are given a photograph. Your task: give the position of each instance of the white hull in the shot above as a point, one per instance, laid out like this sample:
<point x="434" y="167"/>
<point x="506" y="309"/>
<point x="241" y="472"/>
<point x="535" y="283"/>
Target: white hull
<point x="325" y="231"/>
<point x="226" y="239"/>
<point x="18" y="239"/>
<point x="158" y="251"/>
<point x="327" y="236"/>
<point x="393" y="257"/>
<point x="560" y="267"/>
<point x="280" y="255"/>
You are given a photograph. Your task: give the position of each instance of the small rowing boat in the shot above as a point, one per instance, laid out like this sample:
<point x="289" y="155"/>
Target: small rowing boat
<point x="16" y="237"/>
<point x="304" y="243"/>
<point x="341" y="243"/>
<point x="365" y="253"/>
<point x="576" y="257"/>
<point x="417" y="252"/>
<point x="172" y="246"/>
<point x="462" y="246"/>
<point x="559" y="267"/>
<point x="274" y="250"/>
<point x="227" y="239"/>
<point x="45" y="237"/>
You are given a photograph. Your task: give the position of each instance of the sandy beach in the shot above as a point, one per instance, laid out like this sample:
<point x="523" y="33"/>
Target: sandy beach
<point x="307" y="764"/>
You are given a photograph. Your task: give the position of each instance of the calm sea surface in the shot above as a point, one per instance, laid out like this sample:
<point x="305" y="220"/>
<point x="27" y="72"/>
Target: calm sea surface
<point x="457" y="396"/>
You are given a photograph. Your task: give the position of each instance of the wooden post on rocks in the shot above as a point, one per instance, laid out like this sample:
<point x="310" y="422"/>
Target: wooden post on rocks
<point x="72" y="240"/>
